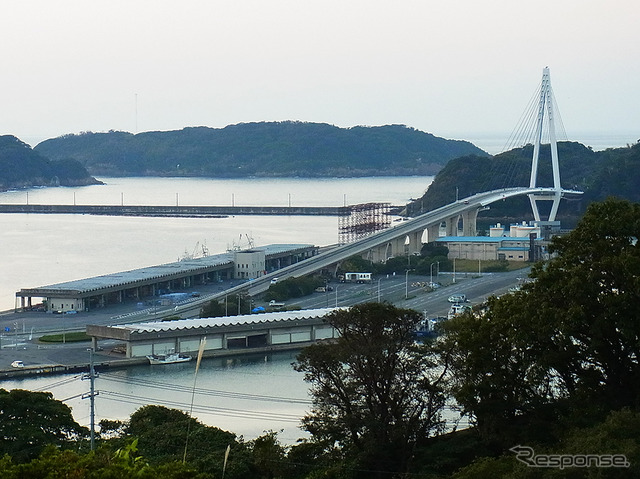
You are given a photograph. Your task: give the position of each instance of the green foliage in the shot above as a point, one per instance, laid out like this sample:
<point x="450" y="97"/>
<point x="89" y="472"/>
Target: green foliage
<point x="293" y="288"/>
<point x="29" y="421"/>
<point x="215" y="309"/>
<point x="20" y="166"/>
<point x="498" y="266"/>
<point x="102" y="464"/>
<point x="375" y="394"/>
<point x="70" y="337"/>
<point x="162" y="434"/>
<point x="355" y="264"/>
<point x="599" y="174"/>
<point x="262" y="149"/>
<point x="269" y="456"/>
<point x="565" y="347"/>
<point x="226" y="307"/>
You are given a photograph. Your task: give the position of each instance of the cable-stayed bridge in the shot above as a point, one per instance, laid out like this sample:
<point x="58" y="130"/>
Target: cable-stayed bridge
<point x="408" y="236"/>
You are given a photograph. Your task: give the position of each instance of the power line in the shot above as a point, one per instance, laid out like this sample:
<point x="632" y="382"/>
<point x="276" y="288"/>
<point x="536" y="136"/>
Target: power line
<point x="240" y="413"/>
<point x="205" y="391"/>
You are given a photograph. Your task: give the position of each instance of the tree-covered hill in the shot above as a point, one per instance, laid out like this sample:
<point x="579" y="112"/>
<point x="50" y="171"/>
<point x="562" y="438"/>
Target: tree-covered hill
<point x="262" y="149"/>
<point x="20" y="166"/>
<point x="613" y="172"/>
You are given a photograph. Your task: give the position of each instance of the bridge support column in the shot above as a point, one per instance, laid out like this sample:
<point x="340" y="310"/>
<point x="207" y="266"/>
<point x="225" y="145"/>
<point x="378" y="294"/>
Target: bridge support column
<point x="452" y="225"/>
<point x="469" y="222"/>
<point x="433" y="233"/>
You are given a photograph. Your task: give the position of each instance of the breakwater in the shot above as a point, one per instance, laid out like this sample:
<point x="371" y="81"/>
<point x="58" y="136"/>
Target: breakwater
<point x="176" y="211"/>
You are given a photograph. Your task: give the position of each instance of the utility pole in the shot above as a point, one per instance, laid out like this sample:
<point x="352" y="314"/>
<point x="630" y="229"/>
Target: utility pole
<point x="91" y="395"/>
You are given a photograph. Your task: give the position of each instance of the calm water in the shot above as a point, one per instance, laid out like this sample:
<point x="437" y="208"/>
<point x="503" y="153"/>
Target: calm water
<point x="245" y="396"/>
<point x="37" y="250"/>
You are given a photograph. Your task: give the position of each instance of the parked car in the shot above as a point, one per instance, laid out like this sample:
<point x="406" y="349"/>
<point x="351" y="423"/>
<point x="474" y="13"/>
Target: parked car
<point x="17" y="364"/>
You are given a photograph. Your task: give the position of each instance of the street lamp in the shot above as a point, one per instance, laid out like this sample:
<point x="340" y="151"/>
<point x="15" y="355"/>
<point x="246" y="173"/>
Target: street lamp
<point x="431" y="274"/>
<point x="454" y="270"/>
<point x="406" y="285"/>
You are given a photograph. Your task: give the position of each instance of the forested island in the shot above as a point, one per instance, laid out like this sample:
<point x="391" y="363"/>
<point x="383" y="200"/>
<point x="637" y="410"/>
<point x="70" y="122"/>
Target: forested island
<point x="265" y="149"/>
<point x="22" y="167"/>
<point x="599" y="174"/>
<point x="298" y="149"/>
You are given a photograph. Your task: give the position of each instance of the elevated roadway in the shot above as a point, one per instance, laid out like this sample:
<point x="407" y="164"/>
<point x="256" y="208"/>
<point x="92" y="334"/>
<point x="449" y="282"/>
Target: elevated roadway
<point x="405" y="237"/>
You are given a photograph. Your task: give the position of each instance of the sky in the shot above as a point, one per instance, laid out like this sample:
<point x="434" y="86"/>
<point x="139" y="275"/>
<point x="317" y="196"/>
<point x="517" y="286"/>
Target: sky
<point x="463" y="69"/>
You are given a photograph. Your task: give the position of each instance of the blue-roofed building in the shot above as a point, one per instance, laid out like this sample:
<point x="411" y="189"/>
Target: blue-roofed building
<point x="487" y="247"/>
<point x="522" y="243"/>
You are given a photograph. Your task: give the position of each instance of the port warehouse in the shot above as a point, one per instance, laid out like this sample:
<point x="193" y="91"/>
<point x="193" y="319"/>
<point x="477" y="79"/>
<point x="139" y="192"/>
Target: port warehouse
<point x="152" y="282"/>
<point x="224" y="335"/>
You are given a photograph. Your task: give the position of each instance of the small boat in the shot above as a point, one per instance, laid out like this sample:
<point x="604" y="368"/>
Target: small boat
<point x="168" y="358"/>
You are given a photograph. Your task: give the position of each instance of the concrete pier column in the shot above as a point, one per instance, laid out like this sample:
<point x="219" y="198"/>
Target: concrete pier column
<point x="452" y="225"/>
<point x="415" y="242"/>
<point x="469" y="222"/>
<point x="433" y="232"/>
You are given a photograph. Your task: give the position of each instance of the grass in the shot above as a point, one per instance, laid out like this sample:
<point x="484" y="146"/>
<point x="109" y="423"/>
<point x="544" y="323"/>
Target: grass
<point x="471" y="265"/>
<point x="71" y="337"/>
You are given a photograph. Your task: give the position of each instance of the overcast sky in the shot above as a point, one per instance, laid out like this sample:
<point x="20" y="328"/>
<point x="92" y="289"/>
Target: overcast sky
<point x="454" y="68"/>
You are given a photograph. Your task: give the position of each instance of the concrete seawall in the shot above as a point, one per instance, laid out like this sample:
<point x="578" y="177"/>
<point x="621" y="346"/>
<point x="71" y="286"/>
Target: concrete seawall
<point x="176" y="211"/>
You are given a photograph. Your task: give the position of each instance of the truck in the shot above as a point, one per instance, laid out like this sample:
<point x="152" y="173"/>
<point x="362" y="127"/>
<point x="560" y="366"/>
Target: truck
<point x="357" y="277"/>
<point x="457" y="309"/>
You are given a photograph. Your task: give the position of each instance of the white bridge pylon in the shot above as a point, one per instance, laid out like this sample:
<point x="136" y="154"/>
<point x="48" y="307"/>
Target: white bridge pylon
<point x="545" y="109"/>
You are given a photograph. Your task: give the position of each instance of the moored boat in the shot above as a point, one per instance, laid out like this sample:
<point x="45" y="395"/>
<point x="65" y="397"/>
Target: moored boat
<point x="168" y="358"/>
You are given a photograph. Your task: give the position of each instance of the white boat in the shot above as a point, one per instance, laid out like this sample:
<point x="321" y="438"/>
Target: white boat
<point x="168" y="358"/>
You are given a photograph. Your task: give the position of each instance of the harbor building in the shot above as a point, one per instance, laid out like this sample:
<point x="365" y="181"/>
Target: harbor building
<point x="520" y="242"/>
<point x="226" y="335"/>
<point x="154" y="281"/>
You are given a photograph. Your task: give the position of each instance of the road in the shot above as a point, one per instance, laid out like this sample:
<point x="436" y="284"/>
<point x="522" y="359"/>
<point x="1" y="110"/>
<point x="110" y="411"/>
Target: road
<point x="21" y="330"/>
<point x="405" y="291"/>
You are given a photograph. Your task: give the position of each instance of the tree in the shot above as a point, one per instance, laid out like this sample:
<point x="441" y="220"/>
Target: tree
<point x="567" y="343"/>
<point x="497" y="378"/>
<point x="29" y="421"/>
<point x="100" y="464"/>
<point x="162" y="436"/>
<point x="375" y="394"/>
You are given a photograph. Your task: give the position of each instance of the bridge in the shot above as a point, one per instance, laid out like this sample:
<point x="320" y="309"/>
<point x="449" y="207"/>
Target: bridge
<point x="408" y="236"/>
